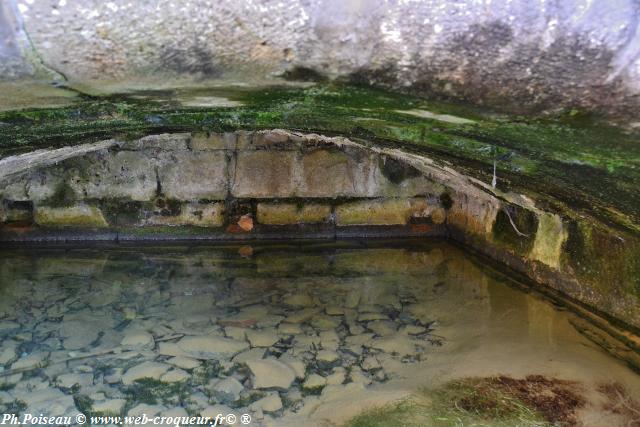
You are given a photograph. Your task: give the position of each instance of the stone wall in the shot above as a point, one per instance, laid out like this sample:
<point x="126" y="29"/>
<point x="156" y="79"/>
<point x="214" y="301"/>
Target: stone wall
<point x="235" y="183"/>
<point x="278" y="184"/>
<point x="515" y="54"/>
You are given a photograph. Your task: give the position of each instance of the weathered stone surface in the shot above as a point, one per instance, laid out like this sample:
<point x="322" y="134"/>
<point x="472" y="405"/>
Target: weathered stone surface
<point x="153" y="370"/>
<point x="78" y="330"/>
<point x="294" y="363"/>
<point x="513" y="36"/>
<point x="382" y="327"/>
<point x="412" y="330"/>
<point x="213" y="142"/>
<point x="162" y="142"/>
<point x="23" y="163"/>
<point x="333" y="173"/>
<point x="329" y="340"/>
<point x="264" y="174"/>
<point x="183" y="362"/>
<point x="235" y="332"/>
<point x="248" y="316"/>
<point x="301" y="316"/>
<point x="75" y="216"/>
<point x="472" y="214"/>
<point x="327" y="357"/>
<point x="227" y="390"/>
<point x="187" y="175"/>
<point x="291" y="213"/>
<point x="275" y="139"/>
<point x="370" y="363"/>
<point x="175" y="376"/>
<point x="337" y="377"/>
<point x="123" y="174"/>
<point x="137" y="338"/>
<point x="269" y="403"/>
<point x="192" y="213"/>
<point x="253" y="354"/>
<point x="298" y="300"/>
<point x="375" y="212"/>
<point x="286" y="328"/>
<point x="314" y="383"/>
<point x="262" y="337"/>
<point x="271" y="373"/>
<point x="172" y="349"/>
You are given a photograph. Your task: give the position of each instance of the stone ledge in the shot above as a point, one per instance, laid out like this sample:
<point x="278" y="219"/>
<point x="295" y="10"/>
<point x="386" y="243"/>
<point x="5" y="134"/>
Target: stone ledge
<point x="290" y="213"/>
<point x="74" y="216"/>
<point x="196" y="214"/>
<point x="388" y="212"/>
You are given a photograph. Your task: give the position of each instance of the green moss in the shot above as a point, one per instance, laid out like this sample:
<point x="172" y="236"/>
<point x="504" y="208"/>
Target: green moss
<point x="570" y="160"/>
<point x="84" y="404"/>
<point x="207" y="371"/>
<point x="161" y="231"/>
<point x="459" y="403"/>
<point x="151" y="391"/>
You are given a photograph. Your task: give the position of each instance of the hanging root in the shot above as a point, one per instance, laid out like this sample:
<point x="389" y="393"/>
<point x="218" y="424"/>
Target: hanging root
<point x="494" y="180"/>
<point x="518" y="232"/>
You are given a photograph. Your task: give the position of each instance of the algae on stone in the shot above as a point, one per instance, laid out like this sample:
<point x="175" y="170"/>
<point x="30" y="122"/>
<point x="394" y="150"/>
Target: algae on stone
<point x="74" y="216"/>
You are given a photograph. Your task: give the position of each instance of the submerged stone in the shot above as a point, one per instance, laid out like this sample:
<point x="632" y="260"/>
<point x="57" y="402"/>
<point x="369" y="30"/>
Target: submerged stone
<point x="314" y="383"/>
<point x="271" y="373"/>
<point x="262" y="337"/>
<point x="206" y="347"/>
<point x="269" y="403"/>
<point x="227" y="390"/>
<point x="137" y="339"/>
<point x="109" y="407"/>
<point x="152" y="370"/>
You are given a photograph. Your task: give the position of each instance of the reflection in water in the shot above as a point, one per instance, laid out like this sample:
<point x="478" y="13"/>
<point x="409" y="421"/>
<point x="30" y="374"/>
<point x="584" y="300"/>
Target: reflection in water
<point x="294" y="334"/>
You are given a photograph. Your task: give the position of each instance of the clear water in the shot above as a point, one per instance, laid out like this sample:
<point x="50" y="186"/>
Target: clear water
<point x="350" y="326"/>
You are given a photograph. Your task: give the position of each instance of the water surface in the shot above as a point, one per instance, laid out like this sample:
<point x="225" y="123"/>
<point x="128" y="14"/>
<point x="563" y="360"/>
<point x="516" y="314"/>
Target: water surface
<point x="291" y="334"/>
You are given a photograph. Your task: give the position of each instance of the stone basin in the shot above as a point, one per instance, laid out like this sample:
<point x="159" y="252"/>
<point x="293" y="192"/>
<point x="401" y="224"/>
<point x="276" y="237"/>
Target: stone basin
<point x="321" y="212"/>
